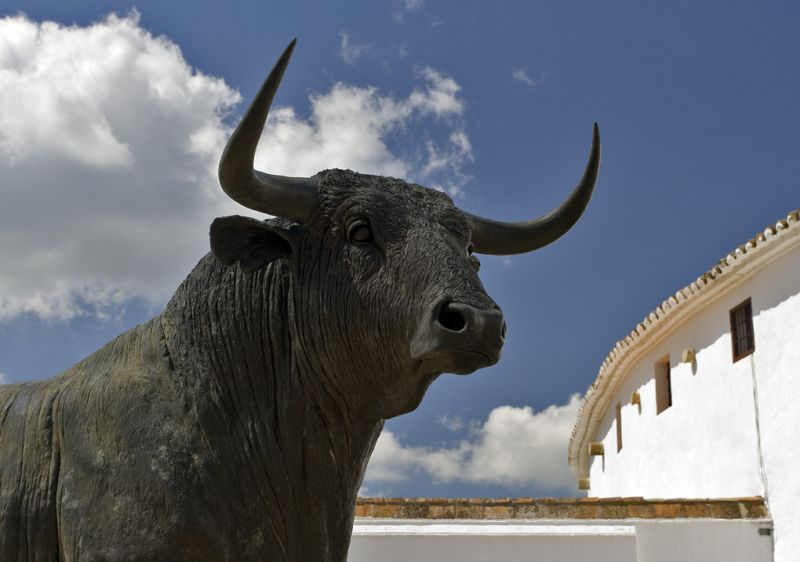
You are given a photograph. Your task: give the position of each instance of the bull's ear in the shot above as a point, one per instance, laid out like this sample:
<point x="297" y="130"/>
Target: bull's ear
<point x="251" y="242"/>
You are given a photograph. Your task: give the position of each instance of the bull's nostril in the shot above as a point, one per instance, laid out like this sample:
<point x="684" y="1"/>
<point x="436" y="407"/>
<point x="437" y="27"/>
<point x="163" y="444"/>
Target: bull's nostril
<point x="451" y="318"/>
<point x="503" y="331"/>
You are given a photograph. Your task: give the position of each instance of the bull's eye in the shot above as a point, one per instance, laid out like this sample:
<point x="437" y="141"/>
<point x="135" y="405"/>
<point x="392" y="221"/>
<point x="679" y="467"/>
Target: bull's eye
<point x="359" y="231"/>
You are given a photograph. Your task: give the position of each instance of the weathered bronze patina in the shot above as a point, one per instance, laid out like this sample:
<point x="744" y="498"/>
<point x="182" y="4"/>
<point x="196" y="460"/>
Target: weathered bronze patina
<point x="237" y="424"/>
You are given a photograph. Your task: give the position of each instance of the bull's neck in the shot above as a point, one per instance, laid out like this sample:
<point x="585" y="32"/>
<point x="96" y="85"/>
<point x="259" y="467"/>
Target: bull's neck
<point x="230" y="335"/>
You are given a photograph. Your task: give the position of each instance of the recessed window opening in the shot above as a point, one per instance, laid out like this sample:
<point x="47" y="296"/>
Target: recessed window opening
<point x="742" y="338"/>
<point x="663" y="385"/>
<point x="619" y="427"/>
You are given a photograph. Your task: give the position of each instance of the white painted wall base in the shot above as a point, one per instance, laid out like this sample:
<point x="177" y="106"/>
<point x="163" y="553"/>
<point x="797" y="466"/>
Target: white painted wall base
<point x="701" y="540"/>
<point x="652" y="540"/>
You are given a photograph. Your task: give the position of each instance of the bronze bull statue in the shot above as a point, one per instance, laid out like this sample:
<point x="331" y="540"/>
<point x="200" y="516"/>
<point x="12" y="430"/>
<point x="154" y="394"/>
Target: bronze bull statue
<point x="237" y="424"/>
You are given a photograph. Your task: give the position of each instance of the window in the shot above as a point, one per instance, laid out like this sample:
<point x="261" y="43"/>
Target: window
<point x="663" y="385"/>
<point x="742" y="330"/>
<point x="619" y="427"/>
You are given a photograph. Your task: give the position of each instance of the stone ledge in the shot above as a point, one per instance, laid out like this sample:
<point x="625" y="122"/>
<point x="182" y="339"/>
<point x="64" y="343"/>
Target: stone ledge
<point x="561" y="508"/>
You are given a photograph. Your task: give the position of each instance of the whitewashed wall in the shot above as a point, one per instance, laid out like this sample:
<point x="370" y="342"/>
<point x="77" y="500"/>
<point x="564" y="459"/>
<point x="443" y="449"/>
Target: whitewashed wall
<point x="700" y="540"/>
<point x="706" y="444"/>
<point x="776" y="363"/>
<point x="490" y="541"/>
<point x="559" y="541"/>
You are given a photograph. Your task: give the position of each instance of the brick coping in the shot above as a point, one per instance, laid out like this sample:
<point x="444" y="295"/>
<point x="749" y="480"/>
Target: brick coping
<point x="562" y="508"/>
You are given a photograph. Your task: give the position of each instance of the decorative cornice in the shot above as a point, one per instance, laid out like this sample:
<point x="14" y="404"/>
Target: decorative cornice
<point x="738" y="265"/>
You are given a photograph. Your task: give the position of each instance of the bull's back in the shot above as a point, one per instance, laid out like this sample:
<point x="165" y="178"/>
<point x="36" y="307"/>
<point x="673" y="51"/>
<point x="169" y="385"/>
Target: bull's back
<point x="28" y="472"/>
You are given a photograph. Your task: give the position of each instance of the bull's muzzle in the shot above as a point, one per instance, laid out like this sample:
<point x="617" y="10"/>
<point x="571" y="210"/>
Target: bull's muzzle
<point x="459" y="338"/>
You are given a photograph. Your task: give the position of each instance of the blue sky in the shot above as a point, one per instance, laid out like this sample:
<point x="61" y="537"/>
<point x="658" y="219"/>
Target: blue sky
<point x="114" y="125"/>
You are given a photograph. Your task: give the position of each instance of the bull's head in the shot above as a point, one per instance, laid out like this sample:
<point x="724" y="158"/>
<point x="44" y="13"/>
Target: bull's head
<point x="385" y="292"/>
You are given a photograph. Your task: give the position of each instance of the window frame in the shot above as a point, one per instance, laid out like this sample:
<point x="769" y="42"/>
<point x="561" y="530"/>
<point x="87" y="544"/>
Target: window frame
<point x="663" y="384"/>
<point x="749" y="336"/>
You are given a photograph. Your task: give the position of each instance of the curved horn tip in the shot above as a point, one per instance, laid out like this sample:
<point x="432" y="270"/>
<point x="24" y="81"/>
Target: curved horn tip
<point x="501" y="238"/>
<point x="283" y="60"/>
<point x="593" y="165"/>
<point x="291" y="198"/>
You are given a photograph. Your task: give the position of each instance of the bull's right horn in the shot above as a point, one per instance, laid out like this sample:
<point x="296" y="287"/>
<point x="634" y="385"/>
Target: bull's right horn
<point x="287" y="197"/>
<point x="506" y="238"/>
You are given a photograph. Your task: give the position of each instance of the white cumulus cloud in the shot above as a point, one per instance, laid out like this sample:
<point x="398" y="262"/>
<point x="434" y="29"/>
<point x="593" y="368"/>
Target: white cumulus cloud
<point x="2" y="378"/>
<point x="107" y="145"/>
<point x="513" y="446"/>
<point x="109" y="142"/>
<point x="349" y="127"/>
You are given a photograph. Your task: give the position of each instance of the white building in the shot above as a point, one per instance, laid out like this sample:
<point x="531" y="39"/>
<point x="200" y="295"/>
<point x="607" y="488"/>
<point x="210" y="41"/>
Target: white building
<point x="702" y="399"/>
<point x="701" y="402"/>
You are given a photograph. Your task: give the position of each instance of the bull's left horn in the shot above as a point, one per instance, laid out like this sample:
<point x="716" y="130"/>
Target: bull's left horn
<point x="291" y="198"/>
<point x="506" y="238"/>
